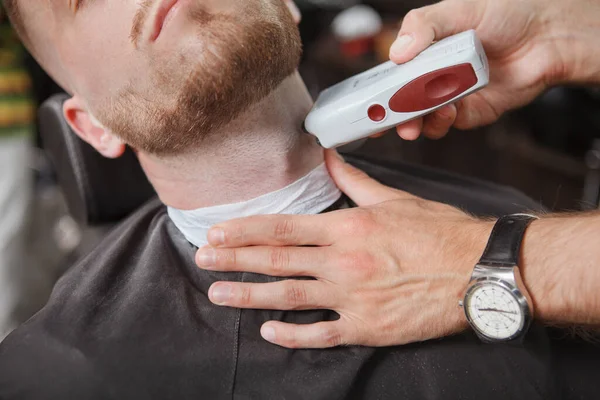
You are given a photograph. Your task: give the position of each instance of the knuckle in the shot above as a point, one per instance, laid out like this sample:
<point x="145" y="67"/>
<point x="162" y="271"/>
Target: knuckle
<point x="467" y="117"/>
<point x="463" y="123"/>
<point x="436" y="125"/>
<point x="446" y="114"/>
<point x="361" y="222"/>
<point x="295" y="295"/>
<point x="280" y="260"/>
<point x="234" y="234"/>
<point x="284" y="230"/>
<point x="358" y="174"/>
<point x="331" y="337"/>
<point x="246" y="296"/>
<point x="434" y="133"/>
<point x="289" y="338"/>
<point x="226" y="258"/>
<point x="366" y="264"/>
<point x="361" y="262"/>
<point x="414" y="16"/>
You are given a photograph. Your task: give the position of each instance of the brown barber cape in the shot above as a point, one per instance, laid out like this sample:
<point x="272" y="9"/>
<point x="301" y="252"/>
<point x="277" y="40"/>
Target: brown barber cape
<point x="132" y="321"/>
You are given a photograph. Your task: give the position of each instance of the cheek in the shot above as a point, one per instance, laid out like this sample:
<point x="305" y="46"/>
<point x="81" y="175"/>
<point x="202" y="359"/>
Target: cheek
<point x="99" y="54"/>
<point x="166" y="74"/>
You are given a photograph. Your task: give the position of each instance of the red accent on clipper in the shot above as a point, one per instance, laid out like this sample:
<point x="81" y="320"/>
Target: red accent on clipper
<point x="434" y="88"/>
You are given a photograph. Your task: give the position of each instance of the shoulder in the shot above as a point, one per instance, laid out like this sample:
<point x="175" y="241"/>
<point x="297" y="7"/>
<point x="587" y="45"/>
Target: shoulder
<point x="131" y="246"/>
<point x="34" y="365"/>
<point x="51" y="350"/>
<point x="118" y="255"/>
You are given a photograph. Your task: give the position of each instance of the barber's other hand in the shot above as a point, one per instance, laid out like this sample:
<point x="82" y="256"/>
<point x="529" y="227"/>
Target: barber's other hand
<point x="531" y="44"/>
<point x="394" y="270"/>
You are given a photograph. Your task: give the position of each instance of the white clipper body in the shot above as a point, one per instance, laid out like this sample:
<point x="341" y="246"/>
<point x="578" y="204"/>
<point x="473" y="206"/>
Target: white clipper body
<point x="389" y="94"/>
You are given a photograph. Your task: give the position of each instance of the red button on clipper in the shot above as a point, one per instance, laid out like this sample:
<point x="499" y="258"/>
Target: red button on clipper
<point x="377" y="113"/>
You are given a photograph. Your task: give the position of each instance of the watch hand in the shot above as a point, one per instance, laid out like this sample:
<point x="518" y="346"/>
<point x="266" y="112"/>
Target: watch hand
<point x="493" y="309"/>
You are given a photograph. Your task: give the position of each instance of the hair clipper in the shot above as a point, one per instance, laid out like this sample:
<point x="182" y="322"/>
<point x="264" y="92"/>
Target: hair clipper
<point x="390" y="94"/>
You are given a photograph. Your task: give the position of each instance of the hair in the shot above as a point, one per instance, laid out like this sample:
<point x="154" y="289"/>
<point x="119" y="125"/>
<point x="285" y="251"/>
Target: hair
<point x="247" y="57"/>
<point x="16" y="19"/>
<point x="251" y="58"/>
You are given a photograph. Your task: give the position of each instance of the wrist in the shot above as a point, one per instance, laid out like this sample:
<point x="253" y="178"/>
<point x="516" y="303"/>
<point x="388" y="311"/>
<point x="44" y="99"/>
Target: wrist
<point x="476" y="236"/>
<point x="530" y="267"/>
<point x="569" y="32"/>
<point x="467" y="253"/>
<point x="547" y="281"/>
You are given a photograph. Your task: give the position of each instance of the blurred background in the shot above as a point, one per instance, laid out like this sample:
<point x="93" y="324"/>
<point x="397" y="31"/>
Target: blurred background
<point x="550" y="150"/>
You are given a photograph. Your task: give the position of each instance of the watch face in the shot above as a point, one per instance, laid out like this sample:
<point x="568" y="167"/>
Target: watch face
<point x="494" y="311"/>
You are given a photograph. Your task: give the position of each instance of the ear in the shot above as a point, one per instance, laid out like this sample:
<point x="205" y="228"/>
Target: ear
<point x="293" y="10"/>
<point x="90" y="130"/>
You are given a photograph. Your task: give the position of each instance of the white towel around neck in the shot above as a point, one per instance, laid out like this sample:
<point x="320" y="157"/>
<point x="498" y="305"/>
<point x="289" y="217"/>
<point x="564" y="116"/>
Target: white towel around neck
<point x="310" y="194"/>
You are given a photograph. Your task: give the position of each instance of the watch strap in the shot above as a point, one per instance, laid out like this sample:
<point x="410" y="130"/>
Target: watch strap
<point x="504" y="245"/>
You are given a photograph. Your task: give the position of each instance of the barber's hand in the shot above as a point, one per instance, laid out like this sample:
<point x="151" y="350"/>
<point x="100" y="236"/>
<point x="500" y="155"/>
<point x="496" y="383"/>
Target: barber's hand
<point x="394" y="270"/>
<point x="531" y="44"/>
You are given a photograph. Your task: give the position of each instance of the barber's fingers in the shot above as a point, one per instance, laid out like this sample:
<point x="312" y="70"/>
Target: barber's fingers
<point x="436" y="125"/>
<point x="424" y="25"/>
<point x="479" y="109"/>
<point x="286" y="295"/>
<point x="280" y="261"/>
<point x="273" y="230"/>
<point x="378" y="135"/>
<point x="315" y="336"/>
<point x="410" y="130"/>
<point x="359" y="186"/>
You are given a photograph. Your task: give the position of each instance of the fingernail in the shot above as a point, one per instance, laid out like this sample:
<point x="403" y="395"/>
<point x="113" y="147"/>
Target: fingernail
<point x="207" y="257"/>
<point x="221" y="294"/>
<point x="268" y="333"/>
<point x="216" y="237"/>
<point x="401" y="45"/>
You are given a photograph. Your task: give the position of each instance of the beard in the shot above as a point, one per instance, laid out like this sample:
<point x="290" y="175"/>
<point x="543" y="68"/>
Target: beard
<point x="245" y="56"/>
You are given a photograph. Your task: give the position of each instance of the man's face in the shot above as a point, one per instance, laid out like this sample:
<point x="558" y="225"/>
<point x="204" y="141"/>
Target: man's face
<point x="162" y="74"/>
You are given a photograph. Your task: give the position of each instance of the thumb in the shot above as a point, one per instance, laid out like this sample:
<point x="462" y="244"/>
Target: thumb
<point x="362" y="189"/>
<point x="423" y="26"/>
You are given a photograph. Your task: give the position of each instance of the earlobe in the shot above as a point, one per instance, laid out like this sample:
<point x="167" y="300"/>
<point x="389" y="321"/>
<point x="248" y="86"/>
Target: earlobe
<point x="90" y="130"/>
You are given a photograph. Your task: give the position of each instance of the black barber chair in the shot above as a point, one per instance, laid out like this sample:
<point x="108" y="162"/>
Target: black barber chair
<point x="102" y="191"/>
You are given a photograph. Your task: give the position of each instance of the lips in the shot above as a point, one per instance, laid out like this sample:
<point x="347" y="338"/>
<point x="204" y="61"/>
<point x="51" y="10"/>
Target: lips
<point x="161" y="15"/>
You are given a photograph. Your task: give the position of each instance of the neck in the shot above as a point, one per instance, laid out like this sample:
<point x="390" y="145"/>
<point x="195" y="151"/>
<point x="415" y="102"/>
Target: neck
<point x="262" y="151"/>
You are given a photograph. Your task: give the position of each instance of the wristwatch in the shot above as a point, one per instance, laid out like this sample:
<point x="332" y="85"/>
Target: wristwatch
<point x="497" y="304"/>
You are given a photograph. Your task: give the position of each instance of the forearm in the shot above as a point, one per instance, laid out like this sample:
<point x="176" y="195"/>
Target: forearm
<point x="561" y="268"/>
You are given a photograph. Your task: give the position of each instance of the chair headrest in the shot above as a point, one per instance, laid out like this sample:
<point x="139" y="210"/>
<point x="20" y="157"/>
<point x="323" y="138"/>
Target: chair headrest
<point x="98" y="190"/>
